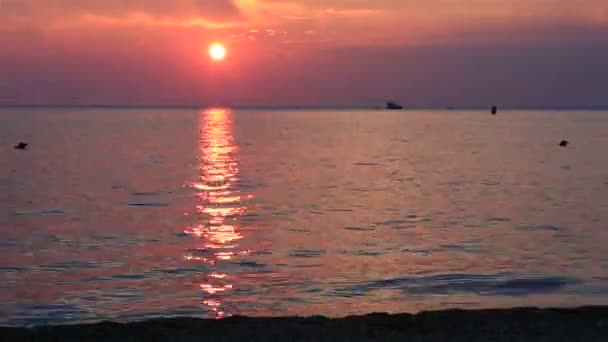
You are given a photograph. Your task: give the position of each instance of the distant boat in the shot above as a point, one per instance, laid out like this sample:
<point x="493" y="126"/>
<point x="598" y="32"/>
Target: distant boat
<point x="20" y="146"/>
<point x="393" y="105"/>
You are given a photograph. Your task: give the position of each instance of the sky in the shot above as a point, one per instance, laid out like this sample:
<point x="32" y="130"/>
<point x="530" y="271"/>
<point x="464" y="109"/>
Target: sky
<point x="422" y="53"/>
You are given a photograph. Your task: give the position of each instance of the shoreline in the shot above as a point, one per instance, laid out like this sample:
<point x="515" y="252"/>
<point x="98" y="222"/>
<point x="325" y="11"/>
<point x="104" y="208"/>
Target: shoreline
<point x="589" y="323"/>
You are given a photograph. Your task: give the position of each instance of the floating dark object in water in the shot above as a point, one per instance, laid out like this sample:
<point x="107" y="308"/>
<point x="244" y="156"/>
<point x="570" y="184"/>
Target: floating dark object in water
<point x="393" y="105"/>
<point x="494" y="110"/>
<point x="450" y="108"/>
<point x="20" y="146"/>
<point x="564" y="143"/>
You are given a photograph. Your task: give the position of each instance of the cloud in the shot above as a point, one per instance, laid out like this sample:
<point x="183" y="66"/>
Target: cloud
<point x="334" y="21"/>
<point x="357" y="12"/>
<point x="163" y="11"/>
<point x="393" y="22"/>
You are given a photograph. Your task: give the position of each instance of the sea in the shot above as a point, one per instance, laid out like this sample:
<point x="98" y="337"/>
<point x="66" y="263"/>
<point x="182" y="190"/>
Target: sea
<point x="129" y="214"/>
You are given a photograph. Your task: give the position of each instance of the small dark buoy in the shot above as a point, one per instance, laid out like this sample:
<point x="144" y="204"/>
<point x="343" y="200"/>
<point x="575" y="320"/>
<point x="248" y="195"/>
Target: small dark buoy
<point x="494" y="110"/>
<point x="21" y="146"/>
<point x="564" y="143"/>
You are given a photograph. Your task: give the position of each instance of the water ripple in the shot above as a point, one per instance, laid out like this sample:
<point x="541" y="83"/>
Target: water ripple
<point x="541" y="227"/>
<point x="481" y="284"/>
<point x="306" y="253"/>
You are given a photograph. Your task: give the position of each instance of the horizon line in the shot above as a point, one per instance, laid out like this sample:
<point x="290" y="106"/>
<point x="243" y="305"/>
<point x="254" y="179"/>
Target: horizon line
<point x="296" y="106"/>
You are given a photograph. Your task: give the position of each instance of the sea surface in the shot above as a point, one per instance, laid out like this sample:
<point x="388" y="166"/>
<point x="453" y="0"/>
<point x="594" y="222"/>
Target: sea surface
<point x="130" y="214"/>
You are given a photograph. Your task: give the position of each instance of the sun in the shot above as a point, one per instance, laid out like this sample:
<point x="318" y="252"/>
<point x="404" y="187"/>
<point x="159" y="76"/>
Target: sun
<point x="217" y="52"/>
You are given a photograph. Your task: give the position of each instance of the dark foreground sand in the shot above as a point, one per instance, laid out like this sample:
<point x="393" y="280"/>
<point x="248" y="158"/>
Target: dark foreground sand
<point x="527" y="324"/>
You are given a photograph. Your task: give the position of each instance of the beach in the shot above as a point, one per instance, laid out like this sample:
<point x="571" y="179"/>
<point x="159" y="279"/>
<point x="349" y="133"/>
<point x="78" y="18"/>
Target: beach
<point x="524" y="324"/>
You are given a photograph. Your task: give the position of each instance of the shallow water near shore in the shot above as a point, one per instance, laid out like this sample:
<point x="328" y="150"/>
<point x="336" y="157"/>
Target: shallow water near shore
<point x="131" y="214"/>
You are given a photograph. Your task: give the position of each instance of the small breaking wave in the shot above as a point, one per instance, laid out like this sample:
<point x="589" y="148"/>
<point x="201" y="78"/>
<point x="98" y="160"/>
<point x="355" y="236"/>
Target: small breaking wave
<point x="490" y="285"/>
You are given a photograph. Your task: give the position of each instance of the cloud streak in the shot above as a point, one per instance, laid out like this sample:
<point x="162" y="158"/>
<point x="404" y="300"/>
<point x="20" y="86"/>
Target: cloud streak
<point x="117" y="11"/>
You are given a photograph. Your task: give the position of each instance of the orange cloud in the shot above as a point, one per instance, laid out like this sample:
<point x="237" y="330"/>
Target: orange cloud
<point x="357" y="12"/>
<point x="335" y="22"/>
<point x="160" y="12"/>
<point x="347" y="22"/>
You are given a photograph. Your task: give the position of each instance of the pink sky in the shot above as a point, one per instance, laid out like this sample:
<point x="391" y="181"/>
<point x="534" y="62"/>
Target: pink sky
<point x="305" y="52"/>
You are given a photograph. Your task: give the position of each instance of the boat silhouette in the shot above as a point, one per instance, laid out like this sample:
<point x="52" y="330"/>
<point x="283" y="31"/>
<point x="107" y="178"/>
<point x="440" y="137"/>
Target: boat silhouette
<point x="393" y="105"/>
<point x="20" y="146"/>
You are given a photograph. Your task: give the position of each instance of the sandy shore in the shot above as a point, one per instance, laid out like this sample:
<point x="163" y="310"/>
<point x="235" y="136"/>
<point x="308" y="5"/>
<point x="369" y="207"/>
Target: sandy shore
<point x="526" y="324"/>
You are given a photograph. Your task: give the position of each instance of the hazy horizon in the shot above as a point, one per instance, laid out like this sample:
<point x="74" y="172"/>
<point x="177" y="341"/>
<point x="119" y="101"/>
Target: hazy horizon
<point x="295" y="107"/>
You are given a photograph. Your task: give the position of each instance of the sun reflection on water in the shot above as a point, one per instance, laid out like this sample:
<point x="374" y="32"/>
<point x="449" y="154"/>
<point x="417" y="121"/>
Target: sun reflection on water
<point x="219" y="206"/>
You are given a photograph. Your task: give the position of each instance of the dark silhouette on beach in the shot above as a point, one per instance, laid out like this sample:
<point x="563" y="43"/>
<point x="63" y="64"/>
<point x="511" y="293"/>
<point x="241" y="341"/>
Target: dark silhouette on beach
<point x="519" y="324"/>
<point x="20" y="146"/>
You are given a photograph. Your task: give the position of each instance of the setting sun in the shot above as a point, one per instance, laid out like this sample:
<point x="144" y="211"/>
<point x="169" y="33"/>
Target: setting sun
<point x="217" y="52"/>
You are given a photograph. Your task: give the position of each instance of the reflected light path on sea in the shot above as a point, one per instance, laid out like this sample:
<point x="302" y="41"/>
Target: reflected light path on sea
<point x="219" y="204"/>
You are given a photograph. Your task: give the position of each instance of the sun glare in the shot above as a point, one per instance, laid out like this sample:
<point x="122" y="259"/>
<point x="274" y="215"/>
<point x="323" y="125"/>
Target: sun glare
<point x="217" y="52"/>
